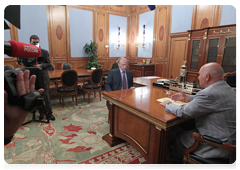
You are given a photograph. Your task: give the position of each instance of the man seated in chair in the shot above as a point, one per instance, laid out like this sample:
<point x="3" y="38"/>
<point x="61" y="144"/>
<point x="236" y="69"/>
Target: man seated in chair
<point x="214" y="110"/>
<point x="119" y="78"/>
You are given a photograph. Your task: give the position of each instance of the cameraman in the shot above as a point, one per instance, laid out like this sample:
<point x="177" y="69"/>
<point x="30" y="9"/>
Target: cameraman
<point x="43" y="61"/>
<point x="14" y="115"/>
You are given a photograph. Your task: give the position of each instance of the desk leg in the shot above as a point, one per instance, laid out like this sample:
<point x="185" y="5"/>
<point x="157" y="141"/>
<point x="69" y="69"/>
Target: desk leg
<point x="110" y="138"/>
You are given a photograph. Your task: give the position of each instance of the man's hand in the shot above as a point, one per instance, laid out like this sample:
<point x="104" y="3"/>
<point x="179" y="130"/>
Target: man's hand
<point x="180" y="96"/>
<point x="164" y="103"/>
<point x="14" y="115"/>
<point x="132" y="87"/>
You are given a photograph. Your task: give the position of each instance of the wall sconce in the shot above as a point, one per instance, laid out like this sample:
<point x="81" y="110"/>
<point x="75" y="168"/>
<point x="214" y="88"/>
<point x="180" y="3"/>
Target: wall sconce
<point x="142" y="42"/>
<point x="119" y="34"/>
<point x="107" y="46"/>
<point x="119" y="44"/>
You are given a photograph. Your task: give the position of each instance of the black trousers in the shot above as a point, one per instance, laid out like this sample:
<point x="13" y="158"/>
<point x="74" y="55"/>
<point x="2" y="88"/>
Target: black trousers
<point x="47" y="100"/>
<point x="178" y="150"/>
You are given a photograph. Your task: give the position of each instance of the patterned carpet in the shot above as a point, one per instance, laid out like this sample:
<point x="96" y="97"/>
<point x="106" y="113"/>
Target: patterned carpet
<point x="75" y="137"/>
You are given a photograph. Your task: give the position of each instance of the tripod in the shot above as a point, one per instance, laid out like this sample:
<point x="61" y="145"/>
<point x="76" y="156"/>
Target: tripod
<point x="33" y="117"/>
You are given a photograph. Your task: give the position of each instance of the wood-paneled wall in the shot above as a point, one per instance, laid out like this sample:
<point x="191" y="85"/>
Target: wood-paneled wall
<point x="168" y="48"/>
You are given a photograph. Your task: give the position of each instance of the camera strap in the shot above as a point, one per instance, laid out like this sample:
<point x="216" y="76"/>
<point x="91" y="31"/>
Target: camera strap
<point x="29" y="101"/>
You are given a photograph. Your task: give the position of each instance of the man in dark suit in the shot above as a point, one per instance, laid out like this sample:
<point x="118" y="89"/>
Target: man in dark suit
<point x="43" y="62"/>
<point x="119" y="78"/>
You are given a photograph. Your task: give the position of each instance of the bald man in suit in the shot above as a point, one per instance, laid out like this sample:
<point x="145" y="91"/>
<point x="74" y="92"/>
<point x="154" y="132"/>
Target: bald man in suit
<point x="115" y="78"/>
<point x="214" y="110"/>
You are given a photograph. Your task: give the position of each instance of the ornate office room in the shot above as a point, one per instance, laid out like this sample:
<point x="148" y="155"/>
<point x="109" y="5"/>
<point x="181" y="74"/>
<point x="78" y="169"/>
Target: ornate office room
<point x="160" y="43"/>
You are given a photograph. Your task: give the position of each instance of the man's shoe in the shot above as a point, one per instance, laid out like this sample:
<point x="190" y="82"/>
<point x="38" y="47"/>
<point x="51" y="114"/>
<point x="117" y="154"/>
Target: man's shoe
<point x="51" y="117"/>
<point x="41" y="116"/>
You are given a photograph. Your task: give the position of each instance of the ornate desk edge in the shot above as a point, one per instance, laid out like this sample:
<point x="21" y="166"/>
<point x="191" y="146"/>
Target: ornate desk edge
<point x="158" y="123"/>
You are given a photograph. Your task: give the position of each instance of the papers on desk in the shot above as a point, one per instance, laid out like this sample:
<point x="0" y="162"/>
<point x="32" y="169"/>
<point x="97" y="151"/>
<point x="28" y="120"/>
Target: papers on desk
<point x="162" y="80"/>
<point x="179" y="103"/>
<point x="151" y="77"/>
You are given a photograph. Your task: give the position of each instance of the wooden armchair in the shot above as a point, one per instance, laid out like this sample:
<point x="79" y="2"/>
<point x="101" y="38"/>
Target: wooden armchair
<point x="66" y="66"/>
<point x="94" y="83"/>
<point x="191" y="158"/>
<point x="69" y="80"/>
<point x="52" y="85"/>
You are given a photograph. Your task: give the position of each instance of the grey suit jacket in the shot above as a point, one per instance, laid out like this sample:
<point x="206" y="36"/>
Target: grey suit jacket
<point x="114" y="80"/>
<point x="214" y="110"/>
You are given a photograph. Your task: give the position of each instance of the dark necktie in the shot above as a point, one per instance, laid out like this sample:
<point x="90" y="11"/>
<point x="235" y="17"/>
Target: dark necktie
<point x="124" y="81"/>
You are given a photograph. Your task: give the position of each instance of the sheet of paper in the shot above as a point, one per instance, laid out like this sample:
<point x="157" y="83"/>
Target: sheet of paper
<point x="151" y="77"/>
<point x="179" y="103"/>
<point x="163" y="80"/>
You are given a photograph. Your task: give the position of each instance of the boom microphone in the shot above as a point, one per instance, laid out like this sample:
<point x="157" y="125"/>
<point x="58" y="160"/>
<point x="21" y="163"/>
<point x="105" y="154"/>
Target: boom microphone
<point x="21" y="50"/>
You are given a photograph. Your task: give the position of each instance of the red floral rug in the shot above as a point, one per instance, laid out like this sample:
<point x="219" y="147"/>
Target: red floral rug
<point x="122" y="155"/>
<point x="75" y="137"/>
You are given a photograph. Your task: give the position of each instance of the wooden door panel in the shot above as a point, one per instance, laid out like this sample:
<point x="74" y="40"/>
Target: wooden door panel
<point x="58" y="32"/>
<point x="178" y="54"/>
<point x="101" y="33"/>
<point x="133" y="33"/>
<point x="161" y="33"/>
<point x="206" y="16"/>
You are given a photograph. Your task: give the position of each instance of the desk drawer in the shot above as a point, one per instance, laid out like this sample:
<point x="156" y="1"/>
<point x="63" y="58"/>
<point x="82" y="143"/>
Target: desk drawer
<point x="149" y="73"/>
<point x="136" y="73"/>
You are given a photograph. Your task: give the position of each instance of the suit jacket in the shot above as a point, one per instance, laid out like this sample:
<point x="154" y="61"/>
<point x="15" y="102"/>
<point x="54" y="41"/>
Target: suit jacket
<point x="45" y="63"/>
<point x="114" y="80"/>
<point x="214" y="110"/>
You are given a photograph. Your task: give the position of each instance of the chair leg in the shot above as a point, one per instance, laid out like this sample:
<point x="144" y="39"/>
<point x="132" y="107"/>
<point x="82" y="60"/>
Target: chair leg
<point x="83" y="95"/>
<point x="88" y="97"/>
<point x="62" y="101"/>
<point x="100" y="95"/>
<point x="72" y="98"/>
<point x="76" y="99"/>
<point x="59" y="99"/>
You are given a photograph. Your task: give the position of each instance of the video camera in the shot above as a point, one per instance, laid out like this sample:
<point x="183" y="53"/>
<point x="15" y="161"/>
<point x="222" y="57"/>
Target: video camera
<point x="28" y="53"/>
<point x="32" y="100"/>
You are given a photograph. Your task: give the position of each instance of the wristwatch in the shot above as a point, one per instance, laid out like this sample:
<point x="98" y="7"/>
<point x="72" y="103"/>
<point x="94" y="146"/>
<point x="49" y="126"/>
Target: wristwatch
<point x="168" y="103"/>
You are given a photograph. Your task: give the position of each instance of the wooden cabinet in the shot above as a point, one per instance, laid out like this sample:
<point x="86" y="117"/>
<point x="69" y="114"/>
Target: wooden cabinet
<point x="212" y="44"/>
<point x="140" y="70"/>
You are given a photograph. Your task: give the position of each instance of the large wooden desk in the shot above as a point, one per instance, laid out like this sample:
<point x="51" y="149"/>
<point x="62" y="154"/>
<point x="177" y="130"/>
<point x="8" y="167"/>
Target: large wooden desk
<point x="136" y="117"/>
<point x="56" y="74"/>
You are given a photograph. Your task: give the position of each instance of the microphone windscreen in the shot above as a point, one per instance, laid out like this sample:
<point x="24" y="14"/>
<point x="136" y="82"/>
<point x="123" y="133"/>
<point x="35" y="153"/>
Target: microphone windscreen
<point x="23" y="50"/>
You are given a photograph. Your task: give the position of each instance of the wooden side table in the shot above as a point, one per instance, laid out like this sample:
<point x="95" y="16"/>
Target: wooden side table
<point x="140" y="70"/>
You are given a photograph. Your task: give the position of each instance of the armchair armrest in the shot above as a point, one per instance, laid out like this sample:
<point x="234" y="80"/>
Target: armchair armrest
<point x="213" y="141"/>
<point x="209" y="140"/>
